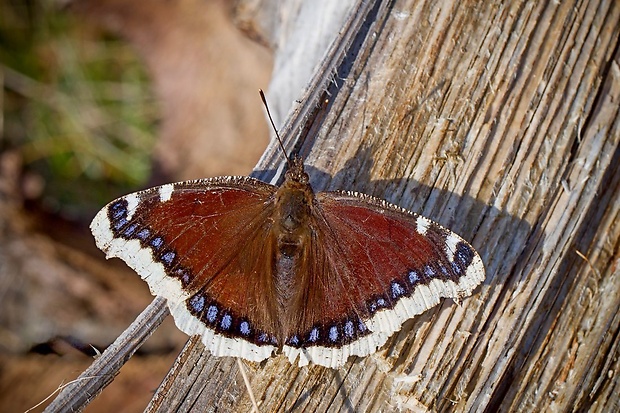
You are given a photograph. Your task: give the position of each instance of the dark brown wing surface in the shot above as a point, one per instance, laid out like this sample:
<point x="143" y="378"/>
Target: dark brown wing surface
<point x="372" y="266"/>
<point x="207" y="247"/>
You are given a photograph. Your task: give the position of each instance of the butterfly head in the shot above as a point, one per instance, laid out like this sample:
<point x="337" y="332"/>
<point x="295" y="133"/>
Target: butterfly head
<point x="296" y="172"/>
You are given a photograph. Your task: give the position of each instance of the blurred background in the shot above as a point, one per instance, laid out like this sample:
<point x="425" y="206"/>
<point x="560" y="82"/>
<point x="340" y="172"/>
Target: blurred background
<point x="101" y="98"/>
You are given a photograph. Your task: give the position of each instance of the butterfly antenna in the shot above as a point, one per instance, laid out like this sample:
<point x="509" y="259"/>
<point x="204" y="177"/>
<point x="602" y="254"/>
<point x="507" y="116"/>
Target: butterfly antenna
<point x="273" y="125"/>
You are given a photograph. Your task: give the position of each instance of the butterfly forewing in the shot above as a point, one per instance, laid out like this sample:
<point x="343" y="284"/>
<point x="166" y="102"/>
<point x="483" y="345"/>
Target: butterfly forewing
<point x="206" y="246"/>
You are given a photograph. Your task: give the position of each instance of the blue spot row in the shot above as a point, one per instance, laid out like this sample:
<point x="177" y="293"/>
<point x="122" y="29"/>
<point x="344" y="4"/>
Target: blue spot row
<point x="183" y="275"/>
<point x="117" y="214"/>
<point x="143" y="234"/>
<point x="118" y="209"/>
<point x="463" y="258"/>
<point x="197" y="303"/>
<point x="377" y="304"/>
<point x="404" y="287"/>
<point x="157" y="242"/>
<point x="397" y="290"/>
<point x="224" y="322"/>
<point x="129" y="231"/>
<point x="119" y="223"/>
<point x="168" y="257"/>
<point x="212" y="314"/>
<point x="331" y="335"/>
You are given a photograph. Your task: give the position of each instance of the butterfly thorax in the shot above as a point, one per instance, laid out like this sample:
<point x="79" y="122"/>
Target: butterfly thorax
<point x="293" y="205"/>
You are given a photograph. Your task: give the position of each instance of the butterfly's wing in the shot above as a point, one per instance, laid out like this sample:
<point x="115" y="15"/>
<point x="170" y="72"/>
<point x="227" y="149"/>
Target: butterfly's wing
<point x="373" y="265"/>
<point x="207" y="247"/>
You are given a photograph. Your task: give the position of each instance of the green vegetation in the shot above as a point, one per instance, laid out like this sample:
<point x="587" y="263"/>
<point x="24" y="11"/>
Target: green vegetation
<point x="76" y="106"/>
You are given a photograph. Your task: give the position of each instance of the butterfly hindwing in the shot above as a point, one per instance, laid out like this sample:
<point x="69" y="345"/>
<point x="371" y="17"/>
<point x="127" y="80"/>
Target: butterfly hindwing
<point x="379" y="265"/>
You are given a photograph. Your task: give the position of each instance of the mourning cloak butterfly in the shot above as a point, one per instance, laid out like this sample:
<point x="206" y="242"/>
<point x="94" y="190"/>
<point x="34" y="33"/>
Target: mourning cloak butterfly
<point x="253" y="268"/>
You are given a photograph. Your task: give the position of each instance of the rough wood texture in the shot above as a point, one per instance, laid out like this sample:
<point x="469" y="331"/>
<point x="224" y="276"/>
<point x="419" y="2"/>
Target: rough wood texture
<point x="501" y="122"/>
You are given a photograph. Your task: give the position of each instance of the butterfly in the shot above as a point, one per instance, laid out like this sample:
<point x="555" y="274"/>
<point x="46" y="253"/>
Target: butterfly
<point x="254" y="268"/>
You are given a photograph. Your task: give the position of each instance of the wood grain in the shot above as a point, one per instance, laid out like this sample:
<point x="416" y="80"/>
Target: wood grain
<point x="500" y="121"/>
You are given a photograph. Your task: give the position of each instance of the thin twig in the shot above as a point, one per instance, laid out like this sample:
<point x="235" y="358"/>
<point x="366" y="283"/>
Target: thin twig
<point x="76" y="394"/>
<point x="246" y="380"/>
<point x="59" y="388"/>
